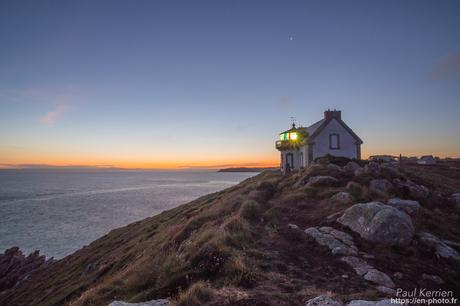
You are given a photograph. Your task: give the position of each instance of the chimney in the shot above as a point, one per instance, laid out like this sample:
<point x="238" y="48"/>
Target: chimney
<point x="332" y="114"/>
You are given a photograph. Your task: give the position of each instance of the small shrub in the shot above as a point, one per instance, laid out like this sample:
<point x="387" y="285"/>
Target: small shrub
<point x="241" y="274"/>
<point x="251" y="210"/>
<point x="198" y="294"/>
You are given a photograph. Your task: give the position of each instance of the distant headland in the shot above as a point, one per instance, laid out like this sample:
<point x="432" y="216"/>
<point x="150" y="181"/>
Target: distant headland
<point x="247" y="169"/>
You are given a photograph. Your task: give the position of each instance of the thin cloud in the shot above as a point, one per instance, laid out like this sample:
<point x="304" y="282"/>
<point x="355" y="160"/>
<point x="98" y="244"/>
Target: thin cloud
<point x="52" y="116"/>
<point x="447" y="68"/>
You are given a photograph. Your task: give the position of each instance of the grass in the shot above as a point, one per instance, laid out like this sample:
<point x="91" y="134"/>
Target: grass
<point x="234" y="245"/>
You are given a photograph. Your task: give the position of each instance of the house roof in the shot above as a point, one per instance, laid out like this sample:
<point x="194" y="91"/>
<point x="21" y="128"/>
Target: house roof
<point x="316" y="128"/>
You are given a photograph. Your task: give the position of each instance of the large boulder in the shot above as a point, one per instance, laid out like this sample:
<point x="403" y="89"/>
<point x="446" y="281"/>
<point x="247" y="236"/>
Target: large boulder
<point x="379" y="223"/>
<point x="410" y="207"/>
<point x="380" y="187"/>
<point x="161" y="302"/>
<point x="337" y="241"/>
<point x="323" y="300"/>
<point x="322" y="181"/>
<point x="438" y="246"/>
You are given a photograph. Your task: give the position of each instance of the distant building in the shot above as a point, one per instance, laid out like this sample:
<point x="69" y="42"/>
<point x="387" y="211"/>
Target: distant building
<point x="383" y="158"/>
<point x="300" y="146"/>
<point x="426" y="160"/>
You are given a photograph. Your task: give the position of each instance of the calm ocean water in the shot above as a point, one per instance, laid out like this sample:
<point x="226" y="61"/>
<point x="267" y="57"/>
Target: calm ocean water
<point x="58" y="212"/>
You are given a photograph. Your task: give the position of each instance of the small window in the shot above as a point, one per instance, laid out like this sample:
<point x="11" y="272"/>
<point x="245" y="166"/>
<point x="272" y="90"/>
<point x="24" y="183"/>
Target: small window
<point x="334" y="141"/>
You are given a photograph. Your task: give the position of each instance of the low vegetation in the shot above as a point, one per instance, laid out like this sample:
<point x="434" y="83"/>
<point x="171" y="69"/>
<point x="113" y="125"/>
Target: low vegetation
<point x="236" y="247"/>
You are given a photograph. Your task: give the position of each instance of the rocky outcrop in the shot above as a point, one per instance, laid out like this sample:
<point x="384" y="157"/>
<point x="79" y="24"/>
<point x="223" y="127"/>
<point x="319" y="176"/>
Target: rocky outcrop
<point x="368" y="272"/>
<point x="322" y="181"/>
<point x="440" y="248"/>
<point x="379" y="223"/>
<point x="411" y="189"/>
<point x="342" y="197"/>
<point x="380" y="187"/>
<point x="149" y="303"/>
<point x="15" y="266"/>
<point x="337" y="241"/>
<point x="323" y="300"/>
<point x="410" y="207"/>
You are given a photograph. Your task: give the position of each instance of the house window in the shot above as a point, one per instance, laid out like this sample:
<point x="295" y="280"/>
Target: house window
<point x="334" y="141"/>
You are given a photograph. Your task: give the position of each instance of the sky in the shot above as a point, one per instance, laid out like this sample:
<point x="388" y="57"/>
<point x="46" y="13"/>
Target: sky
<point x="184" y="84"/>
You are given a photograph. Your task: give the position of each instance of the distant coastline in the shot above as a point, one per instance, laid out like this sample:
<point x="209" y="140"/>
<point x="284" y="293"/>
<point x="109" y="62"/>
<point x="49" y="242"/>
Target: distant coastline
<point x="246" y="169"/>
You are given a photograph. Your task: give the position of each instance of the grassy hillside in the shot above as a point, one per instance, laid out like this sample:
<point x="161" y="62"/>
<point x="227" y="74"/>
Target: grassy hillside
<point x="235" y="248"/>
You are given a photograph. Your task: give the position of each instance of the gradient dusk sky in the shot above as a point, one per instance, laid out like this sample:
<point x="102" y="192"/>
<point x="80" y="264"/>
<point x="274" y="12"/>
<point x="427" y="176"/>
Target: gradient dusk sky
<point x="167" y="84"/>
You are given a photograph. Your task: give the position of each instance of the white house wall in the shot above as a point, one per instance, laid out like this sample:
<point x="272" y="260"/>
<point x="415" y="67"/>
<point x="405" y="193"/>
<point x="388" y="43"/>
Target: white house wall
<point x="348" y="147"/>
<point x="296" y="158"/>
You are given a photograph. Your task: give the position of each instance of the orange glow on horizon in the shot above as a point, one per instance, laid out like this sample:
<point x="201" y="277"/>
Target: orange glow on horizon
<point x="176" y="162"/>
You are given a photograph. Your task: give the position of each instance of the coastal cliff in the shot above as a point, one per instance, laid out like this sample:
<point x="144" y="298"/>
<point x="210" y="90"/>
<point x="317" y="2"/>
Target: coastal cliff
<point x="348" y="231"/>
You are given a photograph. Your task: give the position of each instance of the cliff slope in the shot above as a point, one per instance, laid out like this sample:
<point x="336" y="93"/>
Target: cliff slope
<point x="247" y="245"/>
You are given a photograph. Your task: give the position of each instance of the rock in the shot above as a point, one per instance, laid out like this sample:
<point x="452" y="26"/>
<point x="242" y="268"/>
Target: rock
<point x="342" y="197"/>
<point x="386" y="290"/>
<point x="386" y="302"/>
<point x="410" y="207"/>
<point x="454" y="199"/>
<point x="338" y="242"/>
<point x="438" y="246"/>
<point x="359" y="172"/>
<point x="322" y="181"/>
<point x="293" y="226"/>
<point x="368" y="272"/>
<point x="398" y="275"/>
<point x="434" y="278"/>
<point x="412" y="189"/>
<point x="360" y="266"/>
<point x="149" y="303"/>
<point x="372" y="168"/>
<point x="379" y="223"/>
<point x="380" y="187"/>
<point x="15" y="267"/>
<point x="355" y="189"/>
<point x="334" y="167"/>
<point x="452" y="243"/>
<point x="379" y="278"/>
<point x="351" y="167"/>
<point x="323" y="300"/>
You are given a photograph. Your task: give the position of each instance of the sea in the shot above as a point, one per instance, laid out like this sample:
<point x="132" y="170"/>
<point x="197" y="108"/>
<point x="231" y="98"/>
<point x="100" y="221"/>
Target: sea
<point x="60" y="211"/>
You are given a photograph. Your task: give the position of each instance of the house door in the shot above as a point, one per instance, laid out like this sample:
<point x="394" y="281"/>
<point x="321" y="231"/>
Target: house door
<point x="301" y="160"/>
<point x="290" y="160"/>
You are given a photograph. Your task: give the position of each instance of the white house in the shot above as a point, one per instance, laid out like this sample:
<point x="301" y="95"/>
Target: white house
<point x="426" y="160"/>
<point x="300" y="146"/>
